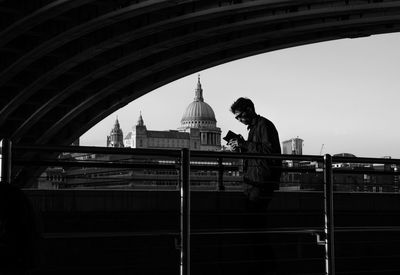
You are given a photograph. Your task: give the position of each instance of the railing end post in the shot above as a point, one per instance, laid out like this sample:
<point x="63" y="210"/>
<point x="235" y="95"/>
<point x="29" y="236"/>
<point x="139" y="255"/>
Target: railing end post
<point x="328" y="213"/>
<point x="185" y="212"/>
<point x="6" y="156"/>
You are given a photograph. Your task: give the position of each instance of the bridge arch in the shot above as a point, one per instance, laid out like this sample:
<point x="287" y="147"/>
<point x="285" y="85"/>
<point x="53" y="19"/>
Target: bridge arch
<point x="68" y="64"/>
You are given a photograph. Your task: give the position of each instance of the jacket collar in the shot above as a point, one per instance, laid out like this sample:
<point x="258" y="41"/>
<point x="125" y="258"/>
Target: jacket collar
<point x="253" y="122"/>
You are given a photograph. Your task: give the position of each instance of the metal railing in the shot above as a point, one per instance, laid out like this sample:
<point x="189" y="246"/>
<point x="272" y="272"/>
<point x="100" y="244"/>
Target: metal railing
<point x="11" y="157"/>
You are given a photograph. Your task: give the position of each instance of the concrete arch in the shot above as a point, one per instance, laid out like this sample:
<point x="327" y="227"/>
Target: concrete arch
<point x="67" y="64"/>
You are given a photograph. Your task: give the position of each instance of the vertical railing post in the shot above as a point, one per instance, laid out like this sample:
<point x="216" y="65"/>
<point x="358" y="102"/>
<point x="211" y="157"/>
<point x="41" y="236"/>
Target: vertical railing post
<point x="328" y="215"/>
<point x="185" y="212"/>
<point x="6" y="156"/>
<point x="221" y="186"/>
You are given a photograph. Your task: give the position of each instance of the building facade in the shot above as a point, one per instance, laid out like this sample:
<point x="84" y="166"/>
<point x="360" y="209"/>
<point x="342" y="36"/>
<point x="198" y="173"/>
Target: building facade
<point x="293" y="146"/>
<point x="141" y="137"/>
<point x="198" y="130"/>
<point x="199" y="115"/>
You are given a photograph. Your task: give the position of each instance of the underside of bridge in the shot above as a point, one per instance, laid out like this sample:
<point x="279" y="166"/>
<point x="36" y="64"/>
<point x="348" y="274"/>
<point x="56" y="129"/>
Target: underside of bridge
<point x="67" y="64"/>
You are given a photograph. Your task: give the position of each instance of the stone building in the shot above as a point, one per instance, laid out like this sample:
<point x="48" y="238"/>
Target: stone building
<point x="115" y="139"/>
<point x="198" y="130"/>
<point x="199" y="115"/>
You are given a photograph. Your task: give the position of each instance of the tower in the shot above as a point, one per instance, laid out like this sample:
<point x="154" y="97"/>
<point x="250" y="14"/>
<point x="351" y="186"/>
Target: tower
<point x="115" y="139"/>
<point x="140" y="133"/>
<point x="137" y="138"/>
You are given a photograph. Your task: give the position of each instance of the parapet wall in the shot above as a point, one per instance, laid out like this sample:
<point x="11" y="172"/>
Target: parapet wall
<point x="137" y="232"/>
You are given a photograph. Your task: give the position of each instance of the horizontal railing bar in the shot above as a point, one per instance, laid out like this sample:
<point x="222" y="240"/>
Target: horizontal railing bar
<point x="168" y="233"/>
<point x="93" y="164"/>
<point x="78" y="235"/>
<point x="106" y="164"/>
<point x="257" y="155"/>
<point x="369" y="172"/>
<point x="368" y="229"/>
<point x="127" y="164"/>
<point x="163" y="152"/>
<point x="364" y="160"/>
<point x="260" y="231"/>
<point x="283" y="230"/>
<point x="98" y="150"/>
<point x="195" y="153"/>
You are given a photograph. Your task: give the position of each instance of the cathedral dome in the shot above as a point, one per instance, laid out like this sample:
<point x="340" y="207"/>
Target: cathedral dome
<point x="198" y="113"/>
<point x="199" y="110"/>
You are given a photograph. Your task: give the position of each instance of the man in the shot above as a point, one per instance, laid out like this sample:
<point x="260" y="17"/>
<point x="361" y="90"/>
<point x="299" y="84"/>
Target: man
<point x="261" y="176"/>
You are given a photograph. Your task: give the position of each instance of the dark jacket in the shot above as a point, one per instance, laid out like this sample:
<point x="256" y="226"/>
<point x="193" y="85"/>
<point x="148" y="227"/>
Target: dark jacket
<point x="263" y="138"/>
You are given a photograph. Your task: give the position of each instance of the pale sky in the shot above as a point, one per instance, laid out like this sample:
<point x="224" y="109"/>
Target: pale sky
<point x="344" y="94"/>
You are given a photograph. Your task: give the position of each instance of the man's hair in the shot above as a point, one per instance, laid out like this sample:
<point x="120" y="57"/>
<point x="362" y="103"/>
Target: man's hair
<point x="241" y="104"/>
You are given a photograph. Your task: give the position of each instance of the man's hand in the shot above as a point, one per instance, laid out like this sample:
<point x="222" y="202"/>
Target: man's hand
<point x="236" y="144"/>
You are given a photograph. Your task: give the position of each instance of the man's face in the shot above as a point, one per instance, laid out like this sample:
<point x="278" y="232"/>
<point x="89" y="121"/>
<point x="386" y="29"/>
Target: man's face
<point x="244" y="117"/>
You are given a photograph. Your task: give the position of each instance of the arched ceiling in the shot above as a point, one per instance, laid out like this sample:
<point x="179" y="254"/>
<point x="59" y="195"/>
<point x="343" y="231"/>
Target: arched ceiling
<point x="67" y="64"/>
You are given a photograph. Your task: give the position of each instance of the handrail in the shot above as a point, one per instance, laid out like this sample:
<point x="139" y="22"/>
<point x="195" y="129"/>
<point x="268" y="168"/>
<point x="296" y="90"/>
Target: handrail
<point x="97" y="150"/>
<point x="100" y="164"/>
<point x="126" y="164"/>
<point x="365" y="160"/>
<point x="274" y="230"/>
<point x="184" y="164"/>
<point x="159" y="152"/>
<point x="196" y="153"/>
<point x="363" y="171"/>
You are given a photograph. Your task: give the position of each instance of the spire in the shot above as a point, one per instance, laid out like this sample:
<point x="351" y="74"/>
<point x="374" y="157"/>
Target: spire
<point x="140" y="121"/>
<point x="199" y="91"/>
<point x="116" y="127"/>
<point x="115" y="139"/>
<point x="116" y="124"/>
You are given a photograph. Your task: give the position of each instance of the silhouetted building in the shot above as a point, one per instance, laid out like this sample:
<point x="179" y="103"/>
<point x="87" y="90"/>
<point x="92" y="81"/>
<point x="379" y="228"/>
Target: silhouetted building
<point x="293" y="146"/>
<point x="292" y="180"/>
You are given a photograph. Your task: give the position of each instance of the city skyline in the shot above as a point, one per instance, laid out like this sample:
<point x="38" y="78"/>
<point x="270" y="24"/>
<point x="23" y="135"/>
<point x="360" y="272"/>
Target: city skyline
<point x="342" y="93"/>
